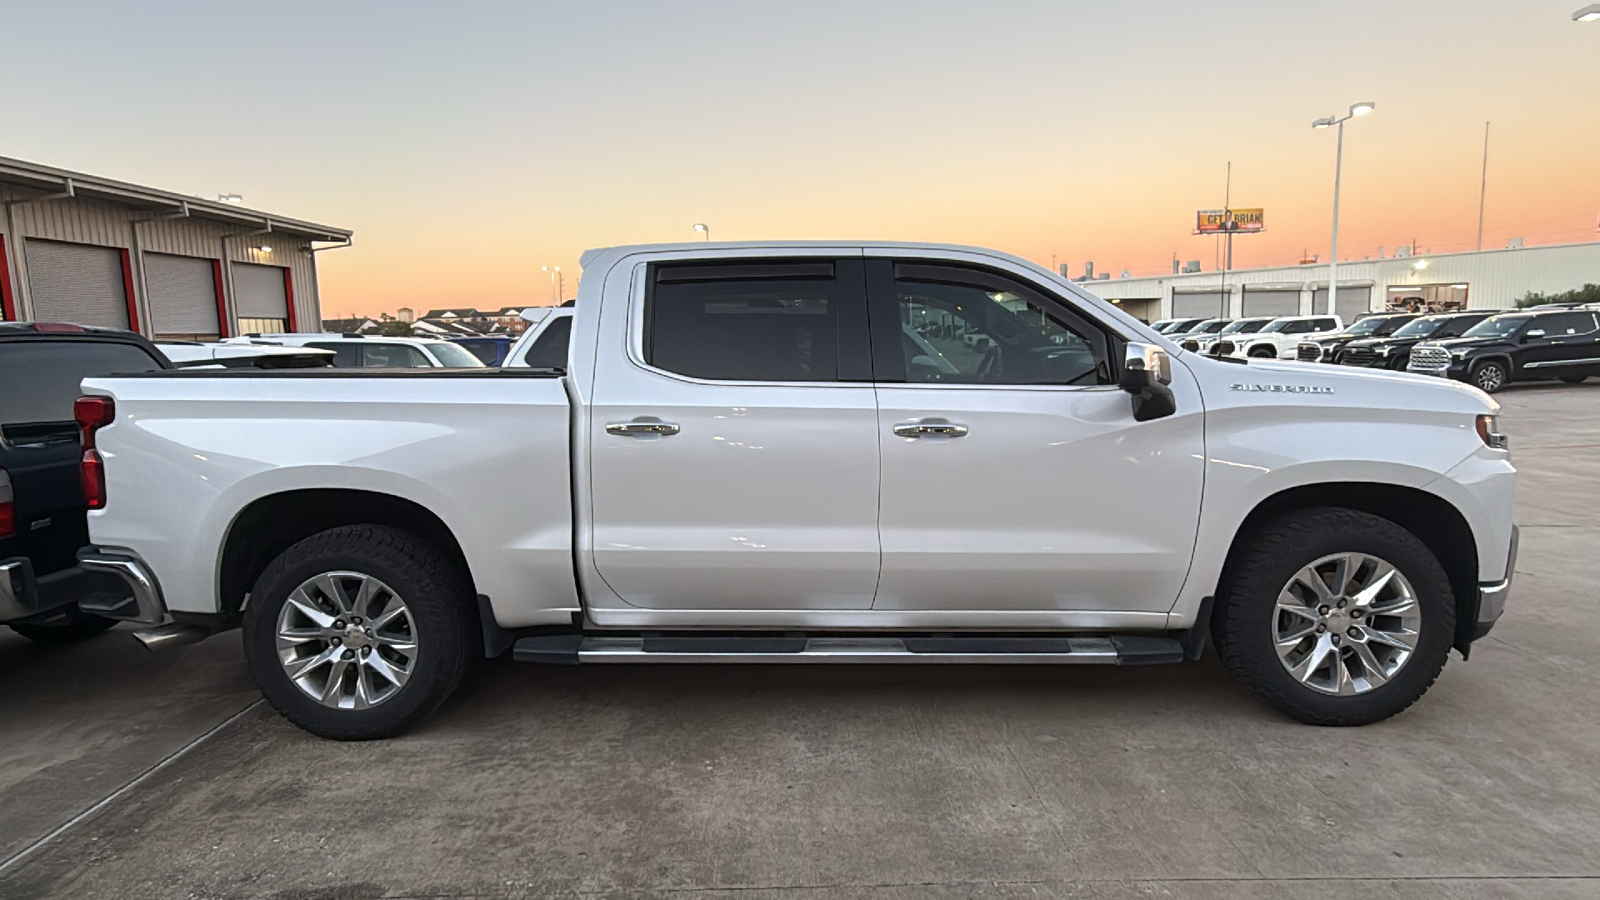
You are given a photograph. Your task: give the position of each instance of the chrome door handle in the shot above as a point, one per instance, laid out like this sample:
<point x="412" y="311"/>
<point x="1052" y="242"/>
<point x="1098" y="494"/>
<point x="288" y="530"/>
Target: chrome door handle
<point x="641" y="428"/>
<point x="929" y="429"/>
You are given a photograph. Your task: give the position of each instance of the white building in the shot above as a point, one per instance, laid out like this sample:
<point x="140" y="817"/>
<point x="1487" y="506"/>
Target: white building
<point x="85" y="249"/>
<point x="1488" y="279"/>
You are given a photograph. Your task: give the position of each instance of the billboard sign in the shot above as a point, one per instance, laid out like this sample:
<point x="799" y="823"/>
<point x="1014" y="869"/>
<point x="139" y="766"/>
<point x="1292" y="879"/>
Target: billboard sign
<point x="1224" y="221"/>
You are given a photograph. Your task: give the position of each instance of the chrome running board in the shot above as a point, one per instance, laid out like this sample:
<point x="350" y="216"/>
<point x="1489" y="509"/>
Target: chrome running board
<point x="986" y="650"/>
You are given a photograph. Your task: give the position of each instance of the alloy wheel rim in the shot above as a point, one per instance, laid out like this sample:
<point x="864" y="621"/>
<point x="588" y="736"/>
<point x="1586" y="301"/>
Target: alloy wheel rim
<point x="1346" y="624"/>
<point x="1489" y="377"/>
<point x="347" y="640"/>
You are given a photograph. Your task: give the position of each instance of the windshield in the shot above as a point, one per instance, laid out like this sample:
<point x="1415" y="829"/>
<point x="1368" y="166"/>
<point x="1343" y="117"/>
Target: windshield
<point x="1497" y="326"/>
<point x="454" y="356"/>
<point x="1276" y="325"/>
<point x="1367" y="326"/>
<point x="1420" y="327"/>
<point x="1211" y="327"/>
<point x="1246" y="326"/>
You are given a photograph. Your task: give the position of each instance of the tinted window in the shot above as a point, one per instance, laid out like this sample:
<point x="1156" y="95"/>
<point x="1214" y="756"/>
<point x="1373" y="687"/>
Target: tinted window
<point x="393" y="356"/>
<point x="345" y="353"/>
<point x="52" y="370"/>
<point x="1322" y="325"/>
<point x="1565" y="323"/>
<point x="744" y="322"/>
<point x="485" y="351"/>
<point x="454" y="356"/>
<point x="992" y="331"/>
<point x="549" y="350"/>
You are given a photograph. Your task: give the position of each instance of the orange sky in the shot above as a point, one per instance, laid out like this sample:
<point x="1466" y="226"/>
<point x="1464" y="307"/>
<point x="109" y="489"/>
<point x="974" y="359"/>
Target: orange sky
<point x="468" y="145"/>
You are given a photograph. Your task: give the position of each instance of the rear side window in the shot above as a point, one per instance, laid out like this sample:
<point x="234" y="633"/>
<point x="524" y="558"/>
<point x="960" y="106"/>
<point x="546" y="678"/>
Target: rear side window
<point x="744" y="322"/>
<point x="345" y="353"/>
<point x="549" y="350"/>
<point x="52" y="371"/>
<point x="1565" y="323"/>
<point x="486" y="351"/>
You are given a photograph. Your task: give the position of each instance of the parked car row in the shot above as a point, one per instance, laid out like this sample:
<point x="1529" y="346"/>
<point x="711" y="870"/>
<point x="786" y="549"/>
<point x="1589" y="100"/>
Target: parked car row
<point x="1485" y="348"/>
<point x="1262" y="337"/>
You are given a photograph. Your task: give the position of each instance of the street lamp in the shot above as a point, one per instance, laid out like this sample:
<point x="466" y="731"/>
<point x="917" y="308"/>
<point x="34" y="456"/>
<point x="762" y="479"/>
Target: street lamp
<point x="703" y="229"/>
<point x="1356" y="109"/>
<point x="556" y="287"/>
<point x="1589" y="13"/>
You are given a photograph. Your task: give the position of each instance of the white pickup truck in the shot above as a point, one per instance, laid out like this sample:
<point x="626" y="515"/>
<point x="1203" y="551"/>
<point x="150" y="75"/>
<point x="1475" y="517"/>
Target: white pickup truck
<point x="790" y="453"/>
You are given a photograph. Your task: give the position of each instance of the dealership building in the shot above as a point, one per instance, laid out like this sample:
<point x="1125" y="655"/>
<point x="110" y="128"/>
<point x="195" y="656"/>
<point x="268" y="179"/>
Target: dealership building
<point x="84" y="249"/>
<point x="1487" y="279"/>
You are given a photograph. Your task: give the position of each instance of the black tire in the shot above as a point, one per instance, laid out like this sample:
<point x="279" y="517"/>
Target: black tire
<point x="1574" y="379"/>
<point x="1490" y="376"/>
<point x="437" y="593"/>
<point x="1242" y="625"/>
<point x="67" y="625"/>
<point x="1263" y="353"/>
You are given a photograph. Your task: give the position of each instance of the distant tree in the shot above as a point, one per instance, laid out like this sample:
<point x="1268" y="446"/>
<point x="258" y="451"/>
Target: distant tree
<point x="395" y="329"/>
<point x="1589" y="293"/>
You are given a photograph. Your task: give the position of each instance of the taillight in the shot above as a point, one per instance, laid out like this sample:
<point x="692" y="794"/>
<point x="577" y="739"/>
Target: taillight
<point x="93" y="413"/>
<point x="8" y="510"/>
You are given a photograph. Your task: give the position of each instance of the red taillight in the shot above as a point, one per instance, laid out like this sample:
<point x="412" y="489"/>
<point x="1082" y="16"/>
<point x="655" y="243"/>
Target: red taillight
<point x="8" y="510"/>
<point x="92" y="413"/>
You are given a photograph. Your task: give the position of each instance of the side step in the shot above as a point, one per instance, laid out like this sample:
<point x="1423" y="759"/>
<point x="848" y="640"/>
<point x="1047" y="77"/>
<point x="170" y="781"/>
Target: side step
<point x="1113" y="650"/>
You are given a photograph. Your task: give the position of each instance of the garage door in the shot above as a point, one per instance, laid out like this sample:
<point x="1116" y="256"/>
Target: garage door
<point x="183" y="297"/>
<point x="76" y="283"/>
<point x="1352" y="302"/>
<point x="260" y="298"/>
<point x="1271" y="303"/>
<point x="1207" y="306"/>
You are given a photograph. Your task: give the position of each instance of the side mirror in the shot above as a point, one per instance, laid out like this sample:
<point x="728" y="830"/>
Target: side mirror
<point x="1146" y="372"/>
<point x="1535" y="333"/>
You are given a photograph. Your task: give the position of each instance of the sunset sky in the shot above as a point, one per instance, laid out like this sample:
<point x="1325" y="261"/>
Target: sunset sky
<point x="467" y="144"/>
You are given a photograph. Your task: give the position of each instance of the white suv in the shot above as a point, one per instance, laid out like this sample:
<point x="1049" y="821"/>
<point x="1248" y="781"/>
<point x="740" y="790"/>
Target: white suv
<point x="1280" y="339"/>
<point x="373" y="352"/>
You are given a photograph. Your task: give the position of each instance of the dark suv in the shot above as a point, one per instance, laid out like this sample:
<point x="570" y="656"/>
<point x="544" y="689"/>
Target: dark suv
<point x="1329" y="348"/>
<point x="1394" y="351"/>
<point x="1516" y="346"/>
<point x="43" y="511"/>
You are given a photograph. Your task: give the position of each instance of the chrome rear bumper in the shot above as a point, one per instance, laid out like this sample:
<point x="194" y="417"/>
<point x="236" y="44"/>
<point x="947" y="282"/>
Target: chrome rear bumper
<point x="140" y="596"/>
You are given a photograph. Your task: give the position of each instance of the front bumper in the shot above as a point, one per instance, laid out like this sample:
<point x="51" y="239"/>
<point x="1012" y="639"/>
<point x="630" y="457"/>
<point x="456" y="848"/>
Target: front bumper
<point x="134" y="594"/>
<point x="24" y="594"/>
<point x="1492" y="597"/>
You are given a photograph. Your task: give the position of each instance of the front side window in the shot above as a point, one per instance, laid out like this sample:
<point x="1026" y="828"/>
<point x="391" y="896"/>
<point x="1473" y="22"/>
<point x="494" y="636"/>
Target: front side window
<point x="345" y="353"/>
<point x="455" y="356"/>
<point x="1321" y="325"/>
<point x="1497" y="327"/>
<point x="394" y="356"/>
<point x="961" y="326"/>
<point x="744" y="322"/>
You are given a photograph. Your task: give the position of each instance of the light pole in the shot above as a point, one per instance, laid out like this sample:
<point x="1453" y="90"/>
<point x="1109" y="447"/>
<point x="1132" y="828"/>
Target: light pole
<point x="1356" y="109"/>
<point x="556" y="287"/>
<point x="704" y="229"/>
<point x="1590" y="13"/>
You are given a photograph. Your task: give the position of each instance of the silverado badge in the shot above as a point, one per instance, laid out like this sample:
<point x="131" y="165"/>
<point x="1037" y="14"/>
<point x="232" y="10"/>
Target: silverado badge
<point x="1282" y="388"/>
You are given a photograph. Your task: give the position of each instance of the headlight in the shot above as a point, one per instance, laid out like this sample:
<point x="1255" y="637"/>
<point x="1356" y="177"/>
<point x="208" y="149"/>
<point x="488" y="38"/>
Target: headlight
<point x="1458" y="354"/>
<point x="1382" y="351"/>
<point x="1489" y="431"/>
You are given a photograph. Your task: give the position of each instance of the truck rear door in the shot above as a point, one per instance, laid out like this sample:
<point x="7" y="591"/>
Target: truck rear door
<point x="734" y="447"/>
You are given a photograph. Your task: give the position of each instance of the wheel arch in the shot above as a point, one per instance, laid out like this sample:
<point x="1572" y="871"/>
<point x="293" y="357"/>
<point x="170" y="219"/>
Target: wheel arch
<point x="1433" y="519"/>
<point x="272" y="523"/>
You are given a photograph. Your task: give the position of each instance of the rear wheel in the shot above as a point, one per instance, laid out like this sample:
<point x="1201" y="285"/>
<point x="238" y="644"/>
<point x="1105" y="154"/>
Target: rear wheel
<point x="359" y="632"/>
<point x="1335" y="617"/>
<point x="1489" y="376"/>
<point x="1574" y="379"/>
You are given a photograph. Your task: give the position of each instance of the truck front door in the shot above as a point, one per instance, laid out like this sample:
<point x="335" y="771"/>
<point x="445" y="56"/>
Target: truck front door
<point x="1014" y="474"/>
<point x="733" y="446"/>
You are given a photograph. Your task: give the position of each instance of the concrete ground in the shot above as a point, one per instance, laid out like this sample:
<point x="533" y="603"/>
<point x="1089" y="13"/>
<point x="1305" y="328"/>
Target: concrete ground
<point x="894" y="782"/>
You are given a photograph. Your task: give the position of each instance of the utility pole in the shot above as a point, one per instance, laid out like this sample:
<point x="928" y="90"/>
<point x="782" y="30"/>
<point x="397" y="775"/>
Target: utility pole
<point x="1227" y="225"/>
<point x="1483" y="191"/>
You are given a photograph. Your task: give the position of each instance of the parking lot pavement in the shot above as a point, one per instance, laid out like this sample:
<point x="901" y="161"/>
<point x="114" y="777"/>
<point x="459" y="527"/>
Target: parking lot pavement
<point x="895" y="782"/>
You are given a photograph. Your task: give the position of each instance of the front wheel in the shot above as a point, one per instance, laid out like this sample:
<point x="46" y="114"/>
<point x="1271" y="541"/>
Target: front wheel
<point x="1263" y="353"/>
<point x="359" y="632"/>
<point x="1489" y="376"/>
<point x="1335" y="617"/>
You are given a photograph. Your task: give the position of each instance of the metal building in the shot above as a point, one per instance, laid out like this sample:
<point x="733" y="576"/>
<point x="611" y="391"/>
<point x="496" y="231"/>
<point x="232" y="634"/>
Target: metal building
<point x="80" y="248"/>
<point x="1486" y="279"/>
